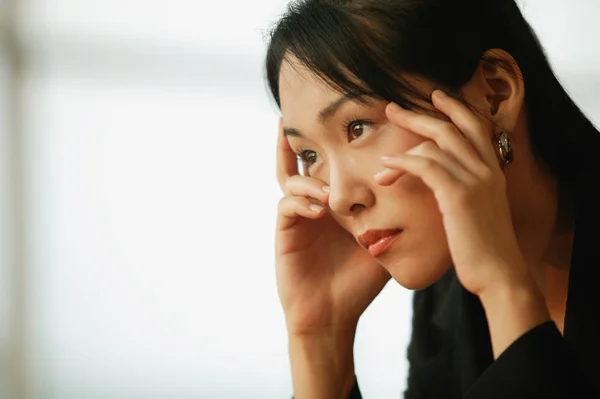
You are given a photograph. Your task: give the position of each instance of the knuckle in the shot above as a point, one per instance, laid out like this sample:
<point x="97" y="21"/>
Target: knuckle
<point x="447" y="130"/>
<point x="428" y="146"/>
<point x="429" y="165"/>
<point x="290" y="205"/>
<point x="282" y="203"/>
<point x="289" y="184"/>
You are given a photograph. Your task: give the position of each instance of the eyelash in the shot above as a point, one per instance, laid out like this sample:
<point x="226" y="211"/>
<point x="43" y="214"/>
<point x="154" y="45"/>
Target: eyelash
<point x="347" y="124"/>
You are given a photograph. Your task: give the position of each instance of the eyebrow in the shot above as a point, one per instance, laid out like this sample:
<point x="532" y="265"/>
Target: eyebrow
<point x="324" y="115"/>
<point x="329" y="111"/>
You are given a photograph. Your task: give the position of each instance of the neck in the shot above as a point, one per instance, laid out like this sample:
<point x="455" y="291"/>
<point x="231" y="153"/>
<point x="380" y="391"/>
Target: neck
<point x="544" y="224"/>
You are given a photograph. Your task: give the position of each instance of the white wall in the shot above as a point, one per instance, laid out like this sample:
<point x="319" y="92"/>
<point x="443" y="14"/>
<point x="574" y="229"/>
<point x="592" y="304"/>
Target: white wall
<point x="5" y="225"/>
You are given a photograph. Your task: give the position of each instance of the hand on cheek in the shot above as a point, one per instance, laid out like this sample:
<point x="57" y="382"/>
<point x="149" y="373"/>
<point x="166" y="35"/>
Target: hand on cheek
<point x="458" y="163"/>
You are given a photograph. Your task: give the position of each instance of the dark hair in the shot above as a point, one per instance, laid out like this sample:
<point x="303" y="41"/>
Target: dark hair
<point x="382" y="42"/>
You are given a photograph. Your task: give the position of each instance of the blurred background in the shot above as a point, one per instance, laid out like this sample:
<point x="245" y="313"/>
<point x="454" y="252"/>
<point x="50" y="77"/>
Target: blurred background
<point x="138" y="199"/>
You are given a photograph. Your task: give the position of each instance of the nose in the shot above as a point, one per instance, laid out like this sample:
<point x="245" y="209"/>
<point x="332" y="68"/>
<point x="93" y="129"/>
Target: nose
<point x="350" y="189"/>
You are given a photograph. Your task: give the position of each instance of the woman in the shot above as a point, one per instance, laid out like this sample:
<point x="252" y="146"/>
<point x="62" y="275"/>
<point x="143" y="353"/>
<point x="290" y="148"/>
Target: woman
<point x="439" y="150"/>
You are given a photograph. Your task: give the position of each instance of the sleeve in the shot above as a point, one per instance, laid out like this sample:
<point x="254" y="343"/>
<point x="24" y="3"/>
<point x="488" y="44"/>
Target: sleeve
<point x="355" y="392"/>
<point x="540" y="364"/>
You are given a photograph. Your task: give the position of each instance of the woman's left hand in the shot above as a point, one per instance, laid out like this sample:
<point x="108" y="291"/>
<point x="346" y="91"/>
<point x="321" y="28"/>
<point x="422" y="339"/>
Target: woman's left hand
<point x="459" y="164"/>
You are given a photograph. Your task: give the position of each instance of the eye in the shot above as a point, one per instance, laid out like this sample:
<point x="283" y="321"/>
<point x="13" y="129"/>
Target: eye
<point x="308" y="157"/>
<point x="356" y="129"/>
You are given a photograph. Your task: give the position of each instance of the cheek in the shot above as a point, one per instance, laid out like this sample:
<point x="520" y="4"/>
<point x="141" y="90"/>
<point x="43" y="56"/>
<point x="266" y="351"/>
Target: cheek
<point x="345" y="222"/>
<point x="423" y="255"/>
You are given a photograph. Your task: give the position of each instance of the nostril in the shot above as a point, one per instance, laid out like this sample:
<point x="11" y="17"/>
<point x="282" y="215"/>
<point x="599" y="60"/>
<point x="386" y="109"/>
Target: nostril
<point x="356" y="207"/>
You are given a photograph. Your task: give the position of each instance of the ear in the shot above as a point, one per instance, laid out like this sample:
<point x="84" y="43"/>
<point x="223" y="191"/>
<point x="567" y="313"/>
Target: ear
<point x="498" y="88"/>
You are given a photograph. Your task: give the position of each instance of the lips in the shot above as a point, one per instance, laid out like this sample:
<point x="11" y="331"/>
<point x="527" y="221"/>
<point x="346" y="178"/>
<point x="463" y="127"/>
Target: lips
<point x="371" y="237"/>
<point x="378" y="241"/>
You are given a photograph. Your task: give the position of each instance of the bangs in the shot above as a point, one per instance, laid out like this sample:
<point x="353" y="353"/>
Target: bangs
<point x="344" y="51"/>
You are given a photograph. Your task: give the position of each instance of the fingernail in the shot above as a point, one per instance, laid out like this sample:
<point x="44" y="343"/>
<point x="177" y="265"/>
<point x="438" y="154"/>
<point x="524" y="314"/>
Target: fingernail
<point x="395" y="107"/>
<point x="440" y="94"/>
<point x="379" y="175"/>
<point x="315" y="208"/>
<point x="326" y="189"/>
<point x="386" y="158"/>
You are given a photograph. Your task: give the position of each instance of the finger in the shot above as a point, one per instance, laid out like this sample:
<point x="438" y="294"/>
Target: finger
<point x="291" y="208"/>
<point x="304" y="186"/>
<point x="430" y="150"/>
<point x="287" y="164"/>
<point x="445" y="134"/>
<point x="434" y="175"/>
<point x="388" y="176"/>
<point x="468" y="124"/>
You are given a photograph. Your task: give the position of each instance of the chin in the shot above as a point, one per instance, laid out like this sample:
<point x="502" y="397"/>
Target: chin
<point x="416" y="274"/>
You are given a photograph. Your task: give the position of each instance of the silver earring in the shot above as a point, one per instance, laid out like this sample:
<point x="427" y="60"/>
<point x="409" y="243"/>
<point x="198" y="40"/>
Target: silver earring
<point x="505" y="149"/>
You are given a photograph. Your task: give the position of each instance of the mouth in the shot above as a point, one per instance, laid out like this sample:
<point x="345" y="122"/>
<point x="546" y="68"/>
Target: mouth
<point x="378" y="241"/>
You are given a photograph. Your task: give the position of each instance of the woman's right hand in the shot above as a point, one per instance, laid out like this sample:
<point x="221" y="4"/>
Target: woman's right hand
<point x="325" y="279"/>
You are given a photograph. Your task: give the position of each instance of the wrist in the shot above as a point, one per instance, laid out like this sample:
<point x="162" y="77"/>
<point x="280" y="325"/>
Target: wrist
<point x="512" y="309"/>
<point x="322" y="365"/>
<point x="298" y="328"/>
<point x="506" y="290"/>
<point x="332" y="350"/>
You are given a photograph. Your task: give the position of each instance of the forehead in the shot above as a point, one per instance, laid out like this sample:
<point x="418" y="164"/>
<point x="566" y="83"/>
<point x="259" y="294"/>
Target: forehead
<point x="302" y="92"/>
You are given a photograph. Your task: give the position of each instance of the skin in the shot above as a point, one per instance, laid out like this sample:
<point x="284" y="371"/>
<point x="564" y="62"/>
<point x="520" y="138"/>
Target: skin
<point x="441" y="183"/>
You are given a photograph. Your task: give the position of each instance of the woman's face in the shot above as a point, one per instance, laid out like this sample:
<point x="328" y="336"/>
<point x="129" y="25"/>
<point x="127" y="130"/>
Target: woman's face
<point x="341" y="142"/>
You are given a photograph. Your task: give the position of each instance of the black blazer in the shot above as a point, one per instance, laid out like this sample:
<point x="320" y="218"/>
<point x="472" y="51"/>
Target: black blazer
<point x="450" y="353"/>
